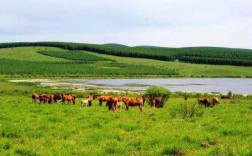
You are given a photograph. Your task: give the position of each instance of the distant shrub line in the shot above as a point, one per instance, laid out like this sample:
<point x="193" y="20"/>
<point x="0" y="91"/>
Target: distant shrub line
<point x="202" y="55"/>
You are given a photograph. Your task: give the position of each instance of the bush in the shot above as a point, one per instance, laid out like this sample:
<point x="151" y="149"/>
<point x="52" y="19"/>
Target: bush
<point x="155" y="91"/>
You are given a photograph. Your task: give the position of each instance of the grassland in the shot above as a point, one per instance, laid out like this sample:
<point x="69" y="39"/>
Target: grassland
<point x="33" y="129"/>
<point x="62" y="63"/>
<point x="40" y="62"/>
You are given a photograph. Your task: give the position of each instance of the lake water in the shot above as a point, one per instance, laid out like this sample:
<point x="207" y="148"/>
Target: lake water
<point x="208" y="85"/>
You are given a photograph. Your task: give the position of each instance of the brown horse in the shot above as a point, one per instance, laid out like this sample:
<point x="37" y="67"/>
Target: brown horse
<point x="46" y="98"/>
<point x="35" y="97"/>
<point x="156" y="102"/>
<point x="215" y="101"/>
<point x="141" y="98"/>
<point x="68" y="97"/>
<point x="114" y="102"/>
<point x="133" y="102"/>
<point x="102" y="98"/>
<point x="204" y="101"/>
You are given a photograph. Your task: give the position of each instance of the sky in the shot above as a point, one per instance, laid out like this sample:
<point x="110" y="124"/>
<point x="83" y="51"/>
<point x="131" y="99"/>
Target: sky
<point x="167" y="23"/>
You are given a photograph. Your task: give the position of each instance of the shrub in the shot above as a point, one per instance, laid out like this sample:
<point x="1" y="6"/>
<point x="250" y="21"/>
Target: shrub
<point x="187" y="111"/>
<point x="230" y="94"/>
<point x="155" y="91"/>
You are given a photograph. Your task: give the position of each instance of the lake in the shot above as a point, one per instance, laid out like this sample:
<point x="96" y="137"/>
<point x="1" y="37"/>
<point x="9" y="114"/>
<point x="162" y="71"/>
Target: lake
<point x="208" y="85"/>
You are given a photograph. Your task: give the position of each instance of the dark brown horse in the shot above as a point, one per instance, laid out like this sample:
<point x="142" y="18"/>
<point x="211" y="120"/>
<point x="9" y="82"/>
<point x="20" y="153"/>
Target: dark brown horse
<point x="102" y="98"/>
<point x="204" y="101"/>
<point x="35" y="97"/>
<point x="68" y="97"/>
<point x="156" y="102"/>
<point x="133" y="102"/>
<point x="113" y="103"/>
<point x="57" y="97"/>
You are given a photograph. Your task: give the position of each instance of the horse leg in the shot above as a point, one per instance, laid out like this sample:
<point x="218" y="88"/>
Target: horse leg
<point x="127" y="107"/>
<point x="73" y="101"/>
<point x="141" y="108"/>
<point x="100" y="103"/>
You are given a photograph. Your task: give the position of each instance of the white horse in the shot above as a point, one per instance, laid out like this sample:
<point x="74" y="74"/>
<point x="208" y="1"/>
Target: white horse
<point x="84" y="102"/>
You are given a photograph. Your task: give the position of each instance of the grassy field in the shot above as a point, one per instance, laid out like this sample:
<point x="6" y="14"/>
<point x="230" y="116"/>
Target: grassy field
<point x="15" y="62"/>
<point x="39" y="62"/>
<point x="180" y="128"/>
<point x="187" y="69"/>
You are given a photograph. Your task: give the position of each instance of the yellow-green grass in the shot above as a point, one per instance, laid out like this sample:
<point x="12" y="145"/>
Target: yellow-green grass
<point x="29" y="54"/>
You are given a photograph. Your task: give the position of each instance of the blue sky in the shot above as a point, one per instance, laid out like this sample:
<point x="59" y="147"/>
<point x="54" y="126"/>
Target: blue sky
<point x="169" y="23"/>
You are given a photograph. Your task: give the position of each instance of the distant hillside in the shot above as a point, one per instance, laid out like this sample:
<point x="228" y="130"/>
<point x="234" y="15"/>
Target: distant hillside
<point x="115" y="44"/>
<point x="201" y="55"/>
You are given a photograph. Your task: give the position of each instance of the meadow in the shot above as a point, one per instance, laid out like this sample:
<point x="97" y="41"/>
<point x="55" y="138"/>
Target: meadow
<point x="180" y="128"/>
<point x="44" y="62"/>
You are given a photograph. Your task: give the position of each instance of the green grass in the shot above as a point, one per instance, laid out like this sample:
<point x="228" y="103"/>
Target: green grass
<point x="27" y="62"/>
<point x="74" y="55"/>
<point x="28" y="54"/>
<point x="87" y="65"/>
<point x="188" y="69"/>
<point x="33" y="129"/>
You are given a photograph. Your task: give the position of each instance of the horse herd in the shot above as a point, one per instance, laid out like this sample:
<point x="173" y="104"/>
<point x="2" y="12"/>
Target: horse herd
<point x="112" y="102"/>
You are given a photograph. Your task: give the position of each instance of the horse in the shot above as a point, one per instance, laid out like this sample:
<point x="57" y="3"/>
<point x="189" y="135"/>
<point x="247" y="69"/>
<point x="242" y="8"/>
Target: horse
<point x="215" y="101"/>
<point x="57" y="97"/>
<point x="35" y="97"/>
<point x="87" y="101"/>
<point x="224" y="97"/>
<point x="102" y="98"/>
<point x="117" y="102"/>
<point x="68" y="97"/>
<point x="46" y="98"/>
<point x="204" y="101"/>
<point x="141" y="98"/>
<point x="156" y="102"/>
<point x="111" y="103"/>
<point x="133" y="102"/>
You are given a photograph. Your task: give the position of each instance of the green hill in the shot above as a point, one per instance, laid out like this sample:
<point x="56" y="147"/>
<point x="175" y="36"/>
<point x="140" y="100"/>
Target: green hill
<point x="201" y="55"/>
<point x="59" y="59"/>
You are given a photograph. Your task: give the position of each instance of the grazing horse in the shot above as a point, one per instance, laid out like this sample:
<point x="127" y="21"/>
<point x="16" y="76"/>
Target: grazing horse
<point x="87" y="101"/>
<point x="215" y="101"/>
<point x="68" y="97"/>
<point x="224" y="97"/>
<point x="111" y="103"/>
<point x="57" y="97"/>
<point x="204" y="101"/>
<point x="102" y="98"/>
<point x="133" y="102"/>
<point x="141" y="98"/>
<point x="114" y="102"/>
<point x="35" y="97"/>
<point x="156" y="102"/>
<point x="46" y="98"/>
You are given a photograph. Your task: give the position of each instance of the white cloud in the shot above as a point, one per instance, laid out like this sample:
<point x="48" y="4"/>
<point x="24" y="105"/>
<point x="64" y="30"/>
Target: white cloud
<point x="163" y="22"/>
